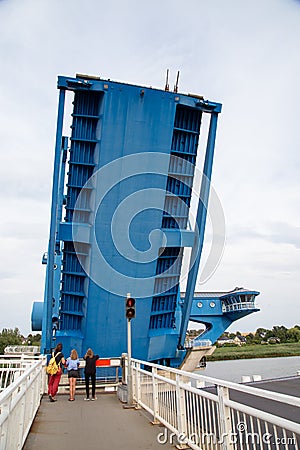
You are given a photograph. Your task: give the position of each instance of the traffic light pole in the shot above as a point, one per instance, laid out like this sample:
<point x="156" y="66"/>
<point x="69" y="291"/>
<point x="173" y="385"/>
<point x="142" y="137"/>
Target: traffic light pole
<point x="130" y="314"/>
<point x="129" y="369"/>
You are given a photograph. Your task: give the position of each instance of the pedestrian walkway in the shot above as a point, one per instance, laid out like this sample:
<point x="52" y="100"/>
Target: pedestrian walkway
<point x="87" y="425"/>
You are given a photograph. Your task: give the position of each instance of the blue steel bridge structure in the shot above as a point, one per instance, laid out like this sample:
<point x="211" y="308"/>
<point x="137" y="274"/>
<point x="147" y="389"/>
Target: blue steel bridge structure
<point x="121" y="221"/>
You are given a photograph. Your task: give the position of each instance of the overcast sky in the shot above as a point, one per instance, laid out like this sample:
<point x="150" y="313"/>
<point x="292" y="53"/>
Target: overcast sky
<point x="243" y="54"/>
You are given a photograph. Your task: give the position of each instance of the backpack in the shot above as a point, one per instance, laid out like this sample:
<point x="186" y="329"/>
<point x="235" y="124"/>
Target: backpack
<point x="52" y="367"/>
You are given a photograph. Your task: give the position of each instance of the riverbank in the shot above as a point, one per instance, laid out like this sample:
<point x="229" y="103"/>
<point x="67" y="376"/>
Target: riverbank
<point x="255" y="351"/>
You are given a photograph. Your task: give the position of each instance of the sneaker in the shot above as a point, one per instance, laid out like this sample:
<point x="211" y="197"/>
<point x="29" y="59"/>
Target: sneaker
<point x="93" y="399"/>
<point x="52" y="399"/>
<point x="87" y="399"/>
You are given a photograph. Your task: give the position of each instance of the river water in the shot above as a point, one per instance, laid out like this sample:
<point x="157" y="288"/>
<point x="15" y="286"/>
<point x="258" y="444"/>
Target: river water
<point x="267" y="368"/>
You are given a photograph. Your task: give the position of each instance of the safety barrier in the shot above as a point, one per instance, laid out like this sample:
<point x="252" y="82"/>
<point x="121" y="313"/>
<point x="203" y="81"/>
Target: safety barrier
<point x="22" y="350"/>
<point x="108" y="373"/>
<point x="23" y="382"/>
<point x="238" y="306"/>
<point x="198" y="411"/>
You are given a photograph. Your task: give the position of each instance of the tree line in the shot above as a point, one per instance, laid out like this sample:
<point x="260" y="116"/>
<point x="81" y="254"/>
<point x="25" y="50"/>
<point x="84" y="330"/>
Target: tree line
<point x="278" y="334"/>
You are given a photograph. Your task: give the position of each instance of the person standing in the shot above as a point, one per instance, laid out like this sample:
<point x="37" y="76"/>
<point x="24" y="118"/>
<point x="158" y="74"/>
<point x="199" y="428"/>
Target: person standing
<point x="90" y="373"/>
<point x="54" y="379"/>
<point x="72" y="364"/>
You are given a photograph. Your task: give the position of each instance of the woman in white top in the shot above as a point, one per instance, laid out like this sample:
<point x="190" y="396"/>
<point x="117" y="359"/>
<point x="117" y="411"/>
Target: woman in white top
<point x="72" y="364"/>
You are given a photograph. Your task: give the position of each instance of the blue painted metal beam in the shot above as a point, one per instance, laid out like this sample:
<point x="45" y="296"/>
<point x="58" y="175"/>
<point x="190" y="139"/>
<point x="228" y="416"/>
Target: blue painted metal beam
<point x="64" y="152"/>
<point x="53" y="223"/>
<point x="200" y="223"/>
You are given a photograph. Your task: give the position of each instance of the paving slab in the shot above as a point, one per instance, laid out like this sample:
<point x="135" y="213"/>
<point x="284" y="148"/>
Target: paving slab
<point x="89" y="425"/>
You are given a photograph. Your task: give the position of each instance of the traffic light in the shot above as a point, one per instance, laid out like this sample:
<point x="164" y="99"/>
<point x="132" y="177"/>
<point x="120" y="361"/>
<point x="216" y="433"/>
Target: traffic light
<point x="130" y="308"/>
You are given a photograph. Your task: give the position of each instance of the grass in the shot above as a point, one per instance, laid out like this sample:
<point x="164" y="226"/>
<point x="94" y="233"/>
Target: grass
<point x="256" y="351"/>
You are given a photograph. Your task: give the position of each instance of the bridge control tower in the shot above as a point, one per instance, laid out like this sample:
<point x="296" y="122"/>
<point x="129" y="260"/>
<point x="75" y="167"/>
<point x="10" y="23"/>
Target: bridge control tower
<point x="121" y="219"/>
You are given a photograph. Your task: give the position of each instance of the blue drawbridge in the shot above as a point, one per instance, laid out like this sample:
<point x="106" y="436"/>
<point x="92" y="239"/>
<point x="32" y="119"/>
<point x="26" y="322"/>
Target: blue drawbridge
<point x="122" y="222"/>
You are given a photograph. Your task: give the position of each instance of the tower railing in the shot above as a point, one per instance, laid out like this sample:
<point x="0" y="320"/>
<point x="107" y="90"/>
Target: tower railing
<point x="238" y="306"/>
<point x="200" y="412"/>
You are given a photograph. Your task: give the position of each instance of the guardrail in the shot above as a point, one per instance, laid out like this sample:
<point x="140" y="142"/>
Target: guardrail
<point x="23" y="382"/>
<point x="207" y="418"/>
<point x="197" y="342"/>
<point x="108" y="372"/>
<point x="22" y="349"/>
<point x="238" y="306"/>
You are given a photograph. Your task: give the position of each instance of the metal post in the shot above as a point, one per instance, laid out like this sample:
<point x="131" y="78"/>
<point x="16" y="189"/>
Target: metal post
<point x="155" y="396"/>
<point x="181" y="413"/>
<point x="129" y="374"/>
<point x="129" y="369"/>
<point x="138" y="390"/>
<point x="224" y="418"/>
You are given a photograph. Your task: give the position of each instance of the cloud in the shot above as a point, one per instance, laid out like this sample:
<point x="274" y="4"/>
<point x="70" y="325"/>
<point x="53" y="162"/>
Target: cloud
<point x="276" y="232"/>
<point x="284" y="233"/>
<point x="6" y="275"/>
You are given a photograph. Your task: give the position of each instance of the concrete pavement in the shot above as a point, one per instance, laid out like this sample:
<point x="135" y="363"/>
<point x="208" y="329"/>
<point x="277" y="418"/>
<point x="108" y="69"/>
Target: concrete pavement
<point x="87" y="425"/>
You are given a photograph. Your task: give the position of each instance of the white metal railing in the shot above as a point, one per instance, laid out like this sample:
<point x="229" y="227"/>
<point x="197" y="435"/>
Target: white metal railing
<point x="207" y="418"/>
<point x="11" y="367"/>
<point x="238" y="306"/>
<point x="22" y="349"/>
<point x="23" y="382"/>
<point x="197" y="342"/>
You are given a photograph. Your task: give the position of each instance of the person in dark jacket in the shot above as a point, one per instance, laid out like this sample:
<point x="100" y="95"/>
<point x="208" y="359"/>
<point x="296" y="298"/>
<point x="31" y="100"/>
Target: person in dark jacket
<point x="90" y="373"/>
<point x="54" y="380"/>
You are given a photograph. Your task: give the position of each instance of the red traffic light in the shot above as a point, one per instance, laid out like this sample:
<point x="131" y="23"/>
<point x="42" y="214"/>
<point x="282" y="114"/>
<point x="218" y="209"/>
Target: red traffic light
<point x="130" y="308"/>
<point x="130" y="302"/>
